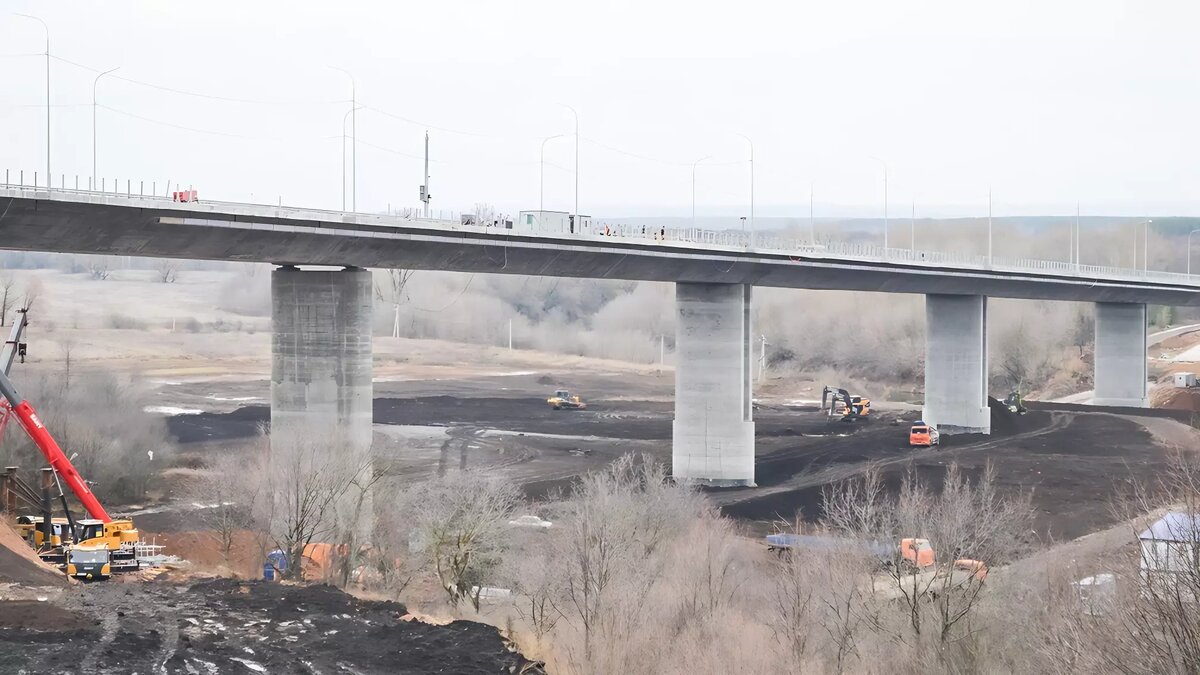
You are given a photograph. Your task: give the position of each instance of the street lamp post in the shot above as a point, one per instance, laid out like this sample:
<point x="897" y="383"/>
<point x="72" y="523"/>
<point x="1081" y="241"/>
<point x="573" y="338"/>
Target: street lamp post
<point x="576" y="114"/>
<point x="47" y="29"/>
<point x="885" y="204"/>
<point x="751" y="180"/>
<point x="94" y="83"/>
<point x="812" y="227"/>
<point x="1189" y="252"/>
<point x="989" y="247"/>
<point x="694" y="165"/>
<point x="344" y="118"/>
<point x="542" y="173"/>
<point x="353" y="145"/>
<point x="1146" y="245"/>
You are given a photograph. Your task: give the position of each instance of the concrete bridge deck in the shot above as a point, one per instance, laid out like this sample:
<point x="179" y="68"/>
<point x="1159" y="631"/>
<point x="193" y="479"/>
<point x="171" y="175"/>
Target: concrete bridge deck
<point x="76" y="221"/>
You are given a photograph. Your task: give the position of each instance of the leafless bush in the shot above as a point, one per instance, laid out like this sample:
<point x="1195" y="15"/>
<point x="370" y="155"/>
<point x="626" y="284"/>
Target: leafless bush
<point x="98" y="269"/>
<point x="168" y="271"/>
<point x="228" y="495"/>
<point x="124" y="322"/>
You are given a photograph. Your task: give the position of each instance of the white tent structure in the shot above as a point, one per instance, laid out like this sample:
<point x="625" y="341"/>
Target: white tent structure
<point x="1171" y="549"/>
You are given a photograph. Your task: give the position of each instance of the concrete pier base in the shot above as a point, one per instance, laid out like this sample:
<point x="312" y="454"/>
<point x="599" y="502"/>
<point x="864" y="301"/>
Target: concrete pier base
<point x="956" y="364"/>
<point x="321" y="357"/>
<point x="1120" y="355"/>
<point x="713" y="432"/>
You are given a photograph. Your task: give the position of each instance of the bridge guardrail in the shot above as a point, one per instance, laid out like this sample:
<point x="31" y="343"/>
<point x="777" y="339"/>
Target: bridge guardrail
<point x="687" y="238"/>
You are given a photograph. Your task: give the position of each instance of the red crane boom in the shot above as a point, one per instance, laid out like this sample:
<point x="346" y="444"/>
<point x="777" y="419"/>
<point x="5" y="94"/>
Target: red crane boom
<point x="59" y="461"/>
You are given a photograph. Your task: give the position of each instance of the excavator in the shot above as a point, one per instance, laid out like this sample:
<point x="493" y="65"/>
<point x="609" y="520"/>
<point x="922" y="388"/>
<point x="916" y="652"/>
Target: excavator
<point x="853" y="406"/>
<point x="118" y="536"/>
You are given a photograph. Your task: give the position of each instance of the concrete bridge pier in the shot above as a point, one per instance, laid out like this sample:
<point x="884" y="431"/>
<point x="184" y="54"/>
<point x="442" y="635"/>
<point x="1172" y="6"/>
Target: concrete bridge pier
<point x="956" y="364"/>
<point x="713" y="432"/>
<point x="1120" y="355"/>
<point x="321" y="387"/>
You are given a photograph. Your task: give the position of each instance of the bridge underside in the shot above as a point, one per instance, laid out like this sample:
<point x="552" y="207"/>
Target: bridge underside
<point x="72" y="227"/>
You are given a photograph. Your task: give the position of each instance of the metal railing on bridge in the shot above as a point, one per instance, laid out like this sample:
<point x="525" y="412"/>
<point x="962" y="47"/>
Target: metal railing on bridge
<point x="688" y="238"/>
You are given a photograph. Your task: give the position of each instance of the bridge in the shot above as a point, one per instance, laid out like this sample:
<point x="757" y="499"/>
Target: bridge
<point x="321" y="347"/>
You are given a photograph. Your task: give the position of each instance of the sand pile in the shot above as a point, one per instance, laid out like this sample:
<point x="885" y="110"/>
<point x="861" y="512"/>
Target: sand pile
<point x="19" y="564"/>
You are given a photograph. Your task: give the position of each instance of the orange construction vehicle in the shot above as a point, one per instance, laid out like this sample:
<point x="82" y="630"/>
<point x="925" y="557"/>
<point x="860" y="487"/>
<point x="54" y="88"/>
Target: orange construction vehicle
<point x="923" y="435"/>
<point x="917" y="552"/>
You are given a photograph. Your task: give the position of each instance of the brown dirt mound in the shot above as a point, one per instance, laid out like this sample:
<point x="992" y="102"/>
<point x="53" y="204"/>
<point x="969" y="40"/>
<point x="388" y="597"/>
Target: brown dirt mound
<point x="1172" y="398"/>
<point x="41" y="616"/>
<point x="203" y="550"/>
<point x="19" y="564"/>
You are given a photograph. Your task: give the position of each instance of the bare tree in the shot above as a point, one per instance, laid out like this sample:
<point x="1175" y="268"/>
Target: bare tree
<point x="305" y="479"/>
<point x="33" y="290"/>
<point x="964" y="521"/>
<point x="7" y="285"/>
<point x="615" y="521"/>
<point x="392" y="291"/>
<point x="461" y="519"/>
<point x="1083" y="331"/>
<point x="228" y="497"/>
<point x="168" y="271"/>
<point x="536" y="582"/>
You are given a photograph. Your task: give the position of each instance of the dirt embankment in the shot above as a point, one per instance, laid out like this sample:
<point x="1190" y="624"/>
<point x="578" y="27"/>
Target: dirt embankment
<point x="227" y="626"/>
<point x="20" y="564"/>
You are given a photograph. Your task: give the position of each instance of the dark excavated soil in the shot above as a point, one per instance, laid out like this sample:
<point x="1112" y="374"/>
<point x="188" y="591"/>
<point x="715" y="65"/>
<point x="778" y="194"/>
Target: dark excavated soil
<point x="228" y="626"/>
<point x="1072" y="459"/>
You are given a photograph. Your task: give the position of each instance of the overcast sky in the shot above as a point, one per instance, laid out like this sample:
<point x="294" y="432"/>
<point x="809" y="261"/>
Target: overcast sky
<point x="1044" y="102"/>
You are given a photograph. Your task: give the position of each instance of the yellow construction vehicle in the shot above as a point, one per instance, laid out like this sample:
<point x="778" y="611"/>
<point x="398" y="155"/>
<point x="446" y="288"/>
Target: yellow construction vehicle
<point x="852" y="406"/>
<point x="31" y="530"/>
<point x="563" y="399"/>
<point x="89" y="563"/>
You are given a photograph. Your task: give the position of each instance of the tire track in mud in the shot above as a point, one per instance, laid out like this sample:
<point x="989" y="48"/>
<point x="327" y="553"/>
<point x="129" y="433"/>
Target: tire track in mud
<point x="109" y="625"/>
<point x="840" y="472"/>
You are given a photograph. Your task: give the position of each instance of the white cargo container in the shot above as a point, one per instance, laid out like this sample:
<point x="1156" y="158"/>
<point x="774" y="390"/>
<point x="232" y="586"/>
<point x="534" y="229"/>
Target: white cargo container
<point x="554" y="222"/>
<point x="1184" y="380"/>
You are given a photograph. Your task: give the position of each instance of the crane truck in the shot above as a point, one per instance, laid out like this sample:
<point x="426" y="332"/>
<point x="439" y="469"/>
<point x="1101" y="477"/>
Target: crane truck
<point x="118" y="536"/>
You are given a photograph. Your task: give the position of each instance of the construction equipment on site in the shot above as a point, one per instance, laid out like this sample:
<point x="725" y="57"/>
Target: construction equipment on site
<point x="923" y="435"/>
<point x="564" y="399"/>
<point x="118" y="536"/>
<point x="89" y="562"/>
<point x="1015" y="403"/>
<point x="852" y="407"/>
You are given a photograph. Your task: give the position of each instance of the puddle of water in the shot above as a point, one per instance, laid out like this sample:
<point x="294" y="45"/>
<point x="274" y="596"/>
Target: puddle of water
<point x="171" y="410"/>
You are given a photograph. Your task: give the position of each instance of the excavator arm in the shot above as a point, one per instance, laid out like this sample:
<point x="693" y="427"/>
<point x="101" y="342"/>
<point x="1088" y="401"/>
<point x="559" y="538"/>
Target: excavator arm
<point x="29" y="420"/>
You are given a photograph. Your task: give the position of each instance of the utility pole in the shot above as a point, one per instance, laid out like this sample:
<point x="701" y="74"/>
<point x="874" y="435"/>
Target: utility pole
<point x="751" y="179"/>
<point x="912" y="224"/>
<point x="425" y="196"/>
<point x="510" y="335"/>
<point x="762" y="359"/>
<point x="47" y="29"/>
<point x="812" y="228"/>
<point x="694" y="165"/>
<point x="662" y="350"/>
<point x="989" y="248"/>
